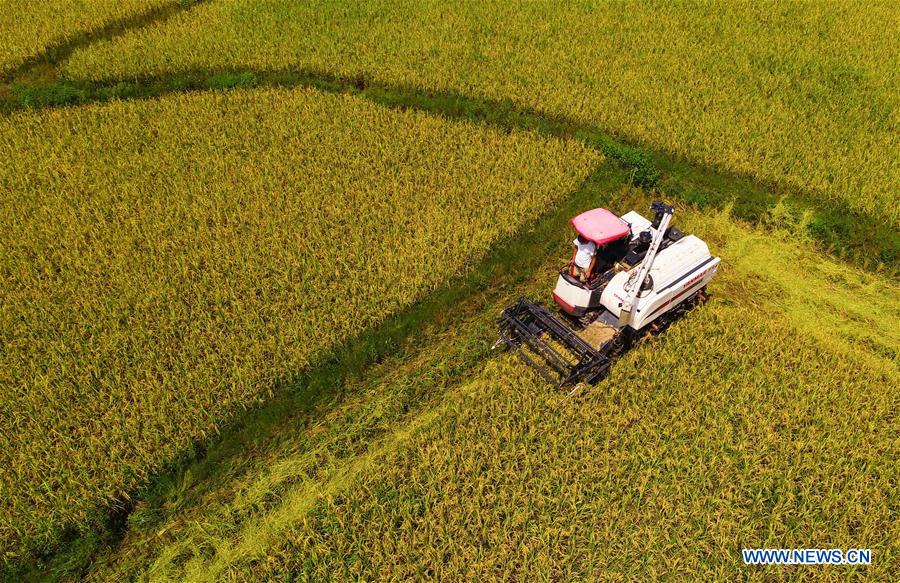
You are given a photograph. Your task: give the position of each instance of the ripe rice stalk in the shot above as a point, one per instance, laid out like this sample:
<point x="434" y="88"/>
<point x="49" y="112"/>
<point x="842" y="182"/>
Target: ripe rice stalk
<point x="166" y="264"/>
<point x="28" y="28"/>
<point x="745" y="422"/>
<point x="803" y="95"/>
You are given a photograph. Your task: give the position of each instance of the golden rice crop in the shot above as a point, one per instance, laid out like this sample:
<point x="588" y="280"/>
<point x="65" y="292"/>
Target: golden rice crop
<point x="803" y="94"/>
<point x="28" y="28"/>
<point x="168" y="262"/>
<point x="754" y="421"/>
<point x="727" y="433"/>
<point x="731" y="430"/>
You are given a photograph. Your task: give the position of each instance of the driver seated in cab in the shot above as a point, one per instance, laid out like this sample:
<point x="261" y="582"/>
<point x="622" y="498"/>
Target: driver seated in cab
<point x="584" y="257"/>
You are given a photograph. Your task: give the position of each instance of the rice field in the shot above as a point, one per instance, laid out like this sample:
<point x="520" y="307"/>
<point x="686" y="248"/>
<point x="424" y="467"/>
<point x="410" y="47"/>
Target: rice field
<point x="245" y="333"/>
<point x="167" y="263"/>
<point x="802" y="95"/>
<point x="29" y="28"/>
<point x="729" y="430"/>
<point x="709" y="444"/>
<point x="667" y="481"/>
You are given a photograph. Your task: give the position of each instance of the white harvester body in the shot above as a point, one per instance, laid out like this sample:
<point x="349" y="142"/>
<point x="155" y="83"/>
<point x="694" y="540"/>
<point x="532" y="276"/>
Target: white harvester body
<point x="648" y="272"/>
<point x="679" y="271"/>
<point x="671" y="271"/>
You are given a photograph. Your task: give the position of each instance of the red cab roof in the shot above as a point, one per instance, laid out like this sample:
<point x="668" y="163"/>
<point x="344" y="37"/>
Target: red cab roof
<point x="600" y="226"/>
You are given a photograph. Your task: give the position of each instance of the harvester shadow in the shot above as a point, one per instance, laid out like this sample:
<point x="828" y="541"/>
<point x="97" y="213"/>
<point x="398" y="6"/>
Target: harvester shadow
<point x="749" y="199"/>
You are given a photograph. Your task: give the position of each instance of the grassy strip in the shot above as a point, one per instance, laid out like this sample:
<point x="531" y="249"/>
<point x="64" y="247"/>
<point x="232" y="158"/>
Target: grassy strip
<point x="510" y="262"/>
<point x="726" y="340"/>
<point x="726" y="431"/>
<point x="796" y="96"/>
<point x="461" y="312"/>
<point x="855" y="237"/>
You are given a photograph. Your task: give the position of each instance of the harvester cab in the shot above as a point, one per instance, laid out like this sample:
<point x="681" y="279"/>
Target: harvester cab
<point x="645" y="275"/>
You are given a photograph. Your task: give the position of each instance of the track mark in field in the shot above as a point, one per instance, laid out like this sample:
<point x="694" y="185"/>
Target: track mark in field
<point x="42" y="65"/>
<point x="260" y="534"/>
<point x="858" y="238"/>
<point x="506" y="264"/>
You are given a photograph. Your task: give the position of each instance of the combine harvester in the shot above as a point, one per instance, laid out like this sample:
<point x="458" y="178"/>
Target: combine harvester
<point x="647" y="274"/>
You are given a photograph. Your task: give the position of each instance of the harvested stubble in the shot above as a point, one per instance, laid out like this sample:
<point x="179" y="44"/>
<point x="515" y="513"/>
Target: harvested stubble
<point x="27" y="28"/>
<point x="803" y="94"/>
<point x="727" y="433"/>
<point x="166" y="263"/>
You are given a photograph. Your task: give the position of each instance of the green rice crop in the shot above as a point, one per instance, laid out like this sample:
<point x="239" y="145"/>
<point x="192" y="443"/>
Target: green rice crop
<point x="757" y="420"/>
<point x="803" y="94"/>
<point x="27" y="28"/>
<point x="166" y="263"/>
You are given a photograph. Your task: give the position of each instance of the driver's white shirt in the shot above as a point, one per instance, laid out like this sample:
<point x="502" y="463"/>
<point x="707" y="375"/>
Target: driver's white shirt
<point x="586" y="251"/>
